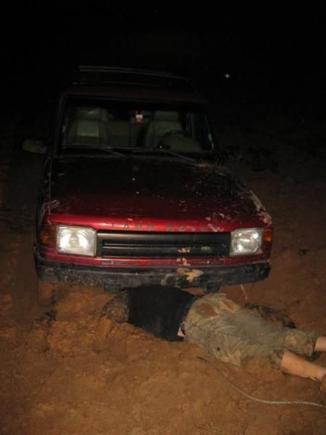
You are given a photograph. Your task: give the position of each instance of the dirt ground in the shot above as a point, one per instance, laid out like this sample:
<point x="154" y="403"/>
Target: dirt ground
<point x="63" y="372"/>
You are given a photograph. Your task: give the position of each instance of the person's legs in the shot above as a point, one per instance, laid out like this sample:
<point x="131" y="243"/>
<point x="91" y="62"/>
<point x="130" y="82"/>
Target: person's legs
<point x="320" y="345"/>
<point x="296" y="365"/>
<point x="299" y="341"/>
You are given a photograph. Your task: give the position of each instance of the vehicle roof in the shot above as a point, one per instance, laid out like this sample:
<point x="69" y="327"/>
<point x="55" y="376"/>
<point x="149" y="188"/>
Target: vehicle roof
<point x="137" y="84"/>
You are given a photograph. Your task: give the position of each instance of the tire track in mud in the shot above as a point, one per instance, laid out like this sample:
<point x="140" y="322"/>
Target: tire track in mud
<point x="19" y="175"/>
<point x="9" y="243"/>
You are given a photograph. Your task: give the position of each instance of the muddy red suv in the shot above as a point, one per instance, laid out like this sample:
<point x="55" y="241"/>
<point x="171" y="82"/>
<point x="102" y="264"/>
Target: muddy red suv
<point x="133" y="193"/>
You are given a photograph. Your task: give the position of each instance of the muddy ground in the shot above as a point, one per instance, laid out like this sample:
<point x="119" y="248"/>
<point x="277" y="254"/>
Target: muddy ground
<point x="63" y="372"/>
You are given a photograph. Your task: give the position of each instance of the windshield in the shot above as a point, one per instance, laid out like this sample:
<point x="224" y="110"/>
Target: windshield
<point x="89" y="124"/>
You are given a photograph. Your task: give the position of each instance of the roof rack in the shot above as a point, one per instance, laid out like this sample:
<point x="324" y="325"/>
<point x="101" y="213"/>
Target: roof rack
<point x="88" y="78"/>
<point x="125" y="70"/>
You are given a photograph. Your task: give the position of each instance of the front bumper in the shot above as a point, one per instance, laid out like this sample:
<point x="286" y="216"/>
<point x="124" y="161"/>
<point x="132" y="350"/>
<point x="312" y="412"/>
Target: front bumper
<point x="209" y="278"/>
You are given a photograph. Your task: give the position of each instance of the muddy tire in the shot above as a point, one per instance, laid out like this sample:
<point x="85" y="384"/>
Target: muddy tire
<point x="48" y="292"/>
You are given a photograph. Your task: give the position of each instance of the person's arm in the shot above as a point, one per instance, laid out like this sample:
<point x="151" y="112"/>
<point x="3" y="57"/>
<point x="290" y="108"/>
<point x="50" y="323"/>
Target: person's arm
<point x="320" y="345"/>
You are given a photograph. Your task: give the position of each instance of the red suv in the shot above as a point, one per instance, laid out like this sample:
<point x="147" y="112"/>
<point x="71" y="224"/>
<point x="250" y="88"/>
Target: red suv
<point x="133" y="194"/>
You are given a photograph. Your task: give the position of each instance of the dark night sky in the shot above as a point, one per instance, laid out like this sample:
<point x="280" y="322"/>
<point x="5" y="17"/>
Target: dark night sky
<point x="266" y="48"/>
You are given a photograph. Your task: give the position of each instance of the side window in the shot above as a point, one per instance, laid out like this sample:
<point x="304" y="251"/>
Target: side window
<point x="202" y="132"/>
<point x="188" y="126"/>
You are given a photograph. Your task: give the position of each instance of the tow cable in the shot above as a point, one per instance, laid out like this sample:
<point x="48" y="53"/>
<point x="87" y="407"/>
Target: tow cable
<point x="265" y="401"/>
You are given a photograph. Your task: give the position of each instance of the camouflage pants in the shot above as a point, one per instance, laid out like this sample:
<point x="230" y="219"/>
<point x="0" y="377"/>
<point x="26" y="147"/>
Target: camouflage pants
<point x="234" y="334"/>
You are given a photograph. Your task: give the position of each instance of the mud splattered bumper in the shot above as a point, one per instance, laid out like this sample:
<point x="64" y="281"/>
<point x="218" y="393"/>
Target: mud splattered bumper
<point x="113" y="279"/>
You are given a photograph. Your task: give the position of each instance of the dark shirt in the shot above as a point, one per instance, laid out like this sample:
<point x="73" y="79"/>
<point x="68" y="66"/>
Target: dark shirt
<point x="159" y="310"/>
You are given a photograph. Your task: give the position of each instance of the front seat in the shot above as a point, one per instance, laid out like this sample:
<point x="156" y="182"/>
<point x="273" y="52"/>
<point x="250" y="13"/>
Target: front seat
<point x="163" y="123"/>
<point x="88" y="125"/>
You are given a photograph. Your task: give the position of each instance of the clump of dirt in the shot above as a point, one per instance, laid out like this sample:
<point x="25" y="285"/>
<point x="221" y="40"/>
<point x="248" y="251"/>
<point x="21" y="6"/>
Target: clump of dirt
<point x="95" y="376"/>
<point x="75" y="320"/>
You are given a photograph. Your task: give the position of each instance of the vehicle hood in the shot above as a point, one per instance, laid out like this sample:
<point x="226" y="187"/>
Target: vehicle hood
<point x="164" y="189"/>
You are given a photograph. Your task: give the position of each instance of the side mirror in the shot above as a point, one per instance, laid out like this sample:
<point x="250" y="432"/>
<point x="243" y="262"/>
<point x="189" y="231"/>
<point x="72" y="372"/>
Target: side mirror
<point x="34" y="146"/>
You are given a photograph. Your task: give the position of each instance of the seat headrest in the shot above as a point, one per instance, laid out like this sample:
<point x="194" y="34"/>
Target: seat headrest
<point x="162" y="115"/>
<point x="91" y="113"/>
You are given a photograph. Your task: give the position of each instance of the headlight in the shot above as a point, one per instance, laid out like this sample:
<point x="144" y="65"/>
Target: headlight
<point x="76" y="240"/>
<point x="246" y="241"/>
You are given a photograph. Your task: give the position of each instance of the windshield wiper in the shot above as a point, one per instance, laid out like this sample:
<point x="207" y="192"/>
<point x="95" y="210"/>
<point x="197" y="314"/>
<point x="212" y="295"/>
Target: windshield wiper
<point x="124" y="151"/>
<point x="164" y="151"/>
<point x="90" y="148"/>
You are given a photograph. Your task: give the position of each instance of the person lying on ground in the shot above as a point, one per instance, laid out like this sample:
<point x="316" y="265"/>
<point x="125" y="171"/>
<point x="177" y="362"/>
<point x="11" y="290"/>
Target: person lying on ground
<point x="226" y="330"/>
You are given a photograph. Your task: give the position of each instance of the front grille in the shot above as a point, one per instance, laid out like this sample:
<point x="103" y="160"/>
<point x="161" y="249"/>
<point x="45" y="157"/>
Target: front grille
<point x="156" y="245"/>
